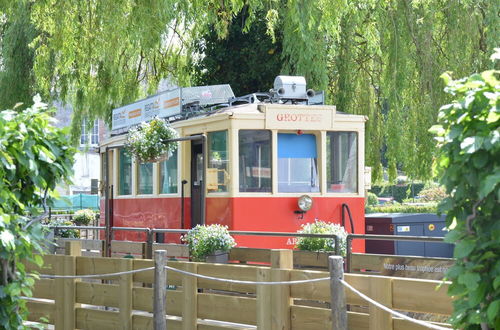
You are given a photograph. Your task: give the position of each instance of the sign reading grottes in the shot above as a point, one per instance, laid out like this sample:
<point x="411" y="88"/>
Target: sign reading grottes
<point x="299" y="119"/>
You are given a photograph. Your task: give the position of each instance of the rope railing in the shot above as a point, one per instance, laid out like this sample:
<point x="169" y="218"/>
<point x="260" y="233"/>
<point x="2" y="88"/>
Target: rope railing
<point x="96" y="275"/>
<point x="393" y="312"/>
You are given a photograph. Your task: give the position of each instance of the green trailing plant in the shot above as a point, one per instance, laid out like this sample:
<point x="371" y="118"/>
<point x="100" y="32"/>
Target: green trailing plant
<point x="321" y="244"/>
<point x="84" y="217"/>
<point x="147" y="143"/>
<point x="34" y="157"/>
<point x="469" y="157"/>
<point x="205" y="240"/>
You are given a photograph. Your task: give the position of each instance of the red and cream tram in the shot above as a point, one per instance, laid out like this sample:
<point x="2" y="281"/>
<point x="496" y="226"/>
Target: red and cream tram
<point x="270" y="163"/>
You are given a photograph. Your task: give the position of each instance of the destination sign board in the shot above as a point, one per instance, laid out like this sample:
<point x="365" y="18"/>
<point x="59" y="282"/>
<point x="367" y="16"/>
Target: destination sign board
<point x="163" y="105"/>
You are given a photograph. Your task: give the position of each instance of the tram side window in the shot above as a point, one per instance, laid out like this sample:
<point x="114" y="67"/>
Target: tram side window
<point x="125" y="178"/>
<point x="255" y="160"/>
<point x="217" y="171"/>
<point x="168" y="175"/>
<point x="297" y="163"/>
<point x="145" y="179"/>
<point x="342" y="161"/>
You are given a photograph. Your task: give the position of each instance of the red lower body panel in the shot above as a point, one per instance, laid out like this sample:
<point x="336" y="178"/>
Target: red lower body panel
<point x="239" y="213"/>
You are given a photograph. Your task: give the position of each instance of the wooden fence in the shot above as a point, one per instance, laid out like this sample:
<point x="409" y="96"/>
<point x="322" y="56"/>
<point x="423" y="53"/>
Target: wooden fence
<point x="126" y="302"/>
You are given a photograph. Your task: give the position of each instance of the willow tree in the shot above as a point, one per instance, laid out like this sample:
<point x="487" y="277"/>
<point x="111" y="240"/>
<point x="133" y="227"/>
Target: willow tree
<point x="379" y="58"/>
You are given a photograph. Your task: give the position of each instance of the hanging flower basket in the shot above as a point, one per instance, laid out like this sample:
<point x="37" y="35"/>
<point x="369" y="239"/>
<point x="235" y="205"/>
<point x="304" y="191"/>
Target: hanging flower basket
<point x="147" y="143"/>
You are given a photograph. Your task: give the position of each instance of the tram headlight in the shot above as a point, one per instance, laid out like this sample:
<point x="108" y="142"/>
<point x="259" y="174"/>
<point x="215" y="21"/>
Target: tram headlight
<point x="305" y="203"/>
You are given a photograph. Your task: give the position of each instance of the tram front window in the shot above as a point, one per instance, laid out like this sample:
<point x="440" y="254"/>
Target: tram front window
<point x="217" y="171"/>
<point x="255" y="160"/>
<point x="297" y="163"/>
<point x="342" y="161"/>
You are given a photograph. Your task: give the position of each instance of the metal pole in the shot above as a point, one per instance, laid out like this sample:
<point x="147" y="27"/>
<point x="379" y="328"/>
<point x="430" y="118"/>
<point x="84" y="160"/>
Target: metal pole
<point x="203" y="182"/>
<point x="160" y="292"/>
<point x="338" y="302"/>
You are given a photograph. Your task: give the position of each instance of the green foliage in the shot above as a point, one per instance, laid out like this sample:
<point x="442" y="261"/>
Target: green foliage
<point x="84" y="217"/>
<point x="376" y="58"/>
<point x="402" y="208"/>
<point x="248" y="61"/>
<point x="16" y="75"/>
<point x="321" y="244"/>
<point x="64" y="233"/>
<point x="34" y="157"/>
<point x="469" y="139"/>
<point x="205" y="240"/>
<point x="146" y="141"/>
<point x="399" y="192"/>
<point x="372" y="199"/>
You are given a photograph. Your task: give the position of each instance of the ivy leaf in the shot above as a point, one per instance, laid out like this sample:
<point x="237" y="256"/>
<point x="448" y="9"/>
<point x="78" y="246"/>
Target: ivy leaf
<point x="7" y="239"/>
<point x="493" y="310"/>
<point x="463" y="249"/>
<point x="488" y="184"/>
<point x="470" y="280"/>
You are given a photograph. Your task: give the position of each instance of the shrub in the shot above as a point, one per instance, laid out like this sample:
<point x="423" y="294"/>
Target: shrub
<point x="146" y="141"/>
<point x="205" y="240"/>
<point x="432" y="194"/>
<point x="372" y="199"/>
<point x="321" y="244"/>
<point x="399" y="192"/>
<point x="83" y="217"/>
<point x="64" y="233"/>
<point x="401" y="208"/>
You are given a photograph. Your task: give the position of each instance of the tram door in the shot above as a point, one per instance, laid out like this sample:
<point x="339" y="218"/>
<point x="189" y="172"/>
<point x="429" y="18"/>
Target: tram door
<point x="196" y="182"/>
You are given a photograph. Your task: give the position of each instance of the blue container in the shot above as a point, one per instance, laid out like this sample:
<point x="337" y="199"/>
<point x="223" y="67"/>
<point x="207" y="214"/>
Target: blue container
<point x="414" y="224"/>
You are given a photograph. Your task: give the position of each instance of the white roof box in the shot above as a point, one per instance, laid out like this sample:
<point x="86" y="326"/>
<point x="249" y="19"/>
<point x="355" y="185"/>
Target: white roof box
<point x="290" y="87"/>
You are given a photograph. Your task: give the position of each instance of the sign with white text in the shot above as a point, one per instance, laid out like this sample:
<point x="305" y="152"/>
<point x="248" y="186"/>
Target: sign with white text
<point x="286" y="118"/>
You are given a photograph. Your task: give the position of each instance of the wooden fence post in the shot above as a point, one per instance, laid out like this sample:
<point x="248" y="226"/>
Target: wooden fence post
<point x="126" y="296"/>
<point x="338" y="302"/>
<point x="149" y="244"/>
<point x="160" y="290"/>
<point x="190" y="299"/>
<point x="380" y="291"/>
<point x="73" y="248"/>
<point x="264" y="303"/>
<point x="281" y="263"/>
<point x="65" y="294"/>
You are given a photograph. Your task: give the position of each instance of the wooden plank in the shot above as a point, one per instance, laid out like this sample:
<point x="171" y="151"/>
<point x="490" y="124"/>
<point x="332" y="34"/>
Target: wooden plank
<point x="125" y="295"/>
<point x="357" y="321"/>
<point x="421" y="296"/>
<point x="282" y="258"/>
<point x="238" y="272"/>
<point x="142" y="322"/>
<point x="173" y="250"/>
<point x="190" y="299"/>
<point x="143" y="300"/>
<point x="97" y="294"/>
<point x="310" y="318"/>
<point x="311" y="259"/>
<point x="143" y="277"/>
<point x="264" y="293"/>
<point x="90" y="266"/>
<point x="40" y="309"/>
<point x="250" y="255"/>
<point x="400" y="324"/>
<point x="96" y="319"/>
<point x="126" y="247"/>
<point x="313" y="291"/>
<point x="87" y="244"/>
<point x="380" y="291"/>
<point x="44" y="288"/>
<point x="227" y="308"/>
<point x="360" y="283"/>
